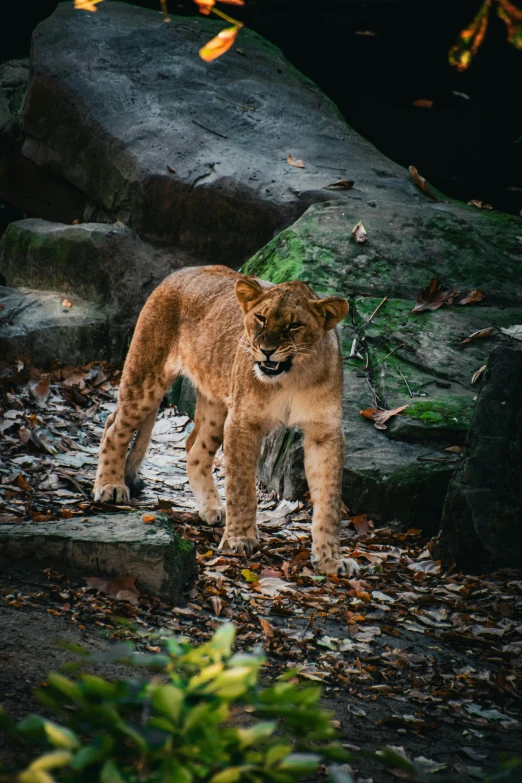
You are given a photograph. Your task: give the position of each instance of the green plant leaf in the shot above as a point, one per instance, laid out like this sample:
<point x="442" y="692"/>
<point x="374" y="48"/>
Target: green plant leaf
<point x="65" y="686"/>
<point x="300" y="763"/>
<point x="276" y="753"/>
<point x="32" y="727"/>
<point x="110" y="773"/>
<point x="60" y="737"/>
<point x="255" y="734"/>
<point x="230" y="775"/>
<point x="59" y="758"/>
<point x="168" y="700"/>
<point x="87" y="756"/>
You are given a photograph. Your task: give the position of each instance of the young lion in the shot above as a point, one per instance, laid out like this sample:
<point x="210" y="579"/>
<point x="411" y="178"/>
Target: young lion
<point x="278" y="364"/>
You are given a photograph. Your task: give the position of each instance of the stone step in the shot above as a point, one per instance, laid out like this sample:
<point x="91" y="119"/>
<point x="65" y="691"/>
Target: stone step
<point x="109" y="546"/>
<point x="36" y="323"/>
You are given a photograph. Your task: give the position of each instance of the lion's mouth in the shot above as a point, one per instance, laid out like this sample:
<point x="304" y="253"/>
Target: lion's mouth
<point x="274" y="368"/>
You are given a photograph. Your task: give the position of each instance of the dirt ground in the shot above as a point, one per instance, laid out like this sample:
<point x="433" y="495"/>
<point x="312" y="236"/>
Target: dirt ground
<point x="407" y="655"/>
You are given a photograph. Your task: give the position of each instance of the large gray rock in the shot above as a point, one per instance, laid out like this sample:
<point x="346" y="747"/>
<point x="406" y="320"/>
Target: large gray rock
<point x="402" y="472"/>
<point x="35" y="323"/>
<point x="109" y="545"/>
<point x="103" y="263"/>
<point x="482" y="520"/>
<point x="117" y="97"/>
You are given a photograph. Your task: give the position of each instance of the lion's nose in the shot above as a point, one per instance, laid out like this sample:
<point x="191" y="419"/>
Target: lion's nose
<point x="268" y="352"/>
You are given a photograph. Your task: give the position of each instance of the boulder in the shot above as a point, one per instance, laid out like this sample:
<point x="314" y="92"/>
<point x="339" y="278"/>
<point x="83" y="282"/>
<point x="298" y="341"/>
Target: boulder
<point x="394" y="357"/>
<point x="35" y="323"/>
<point x="120" y="106"/>
<point x="482" y="520"/>
<point x="107" y="264"/>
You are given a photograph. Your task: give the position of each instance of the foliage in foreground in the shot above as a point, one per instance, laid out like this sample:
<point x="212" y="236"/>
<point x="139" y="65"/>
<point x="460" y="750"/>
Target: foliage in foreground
<point x="200" y="716"/>
<point x="188" y="715"/>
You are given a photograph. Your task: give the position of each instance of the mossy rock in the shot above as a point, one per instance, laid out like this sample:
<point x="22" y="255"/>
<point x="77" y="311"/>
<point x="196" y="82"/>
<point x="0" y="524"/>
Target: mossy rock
<point x="413" y="359"/>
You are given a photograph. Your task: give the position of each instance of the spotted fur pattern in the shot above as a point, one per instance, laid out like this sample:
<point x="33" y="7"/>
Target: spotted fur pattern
<point x="259" y="356"/>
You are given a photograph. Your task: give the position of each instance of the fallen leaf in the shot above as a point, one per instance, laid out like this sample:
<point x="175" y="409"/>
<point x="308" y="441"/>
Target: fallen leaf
<point x="479" y="204"/>
<point x="482" y="334"/>
<point x="426" y="566"/>
<point x="433" y="297"/>
<point x="422" y="184"/>
<point x="154" y="648"/>
<point x="41" y="390"/>
<point x="346" y="184"/>
<point x="362" y="524"/>
<point x="86" y="5"/>
<point x="359" y="233"/>
<point x="220" y="44"/>
<point x="217" y="605"/>
<point x="478" y="374"/>
<point x="66" y="303"/>
<point x="455" y="449"/>
<point x="272" y="586"/>
<point x="380" y="416"/>
<point x="268" y="629"/>
<point x="423" y="103"/>
<point x="172" y="171"/>
<point x="249" y="575"/>
<point x="22" y="482"/>
<point x="297" y="163"/>
<point x="148" y="518"/>
<point x="473" y="297"/>
<point x="368" y="33"/>
<point x="122" y="588"/>
<point x="66" y="513"/>
<point x="515" y="332"/>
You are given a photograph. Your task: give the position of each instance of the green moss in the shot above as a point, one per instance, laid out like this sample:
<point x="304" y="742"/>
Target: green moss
<point x="419" y="474"/>
<point x="452" y="412"/>
<point x="279" y="261"/>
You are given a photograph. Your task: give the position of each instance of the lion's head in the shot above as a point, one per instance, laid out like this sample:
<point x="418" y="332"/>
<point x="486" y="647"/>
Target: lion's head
<point x="284" y="322"/>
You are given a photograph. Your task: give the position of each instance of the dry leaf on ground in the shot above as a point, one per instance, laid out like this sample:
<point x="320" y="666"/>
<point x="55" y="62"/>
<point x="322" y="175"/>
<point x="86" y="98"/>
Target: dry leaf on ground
<point x="433" y="297"/>
<point x="423" y="103"/>
<point x="482" y="334"/>
<point x="362" y="524"/>
<point x="515" y="332"/>
<point x="298" y="164"/>
<point x="122" y="588"/>
<point x="41" y="390"/>
<point x="359" y="233"/>
<point x="86" y="5"/>
<point x="422" y="184"/>
<point x="473" y="297"/>
<point x="346" y="184"/>
<point x="479" y="204"/>
<point x="380" y="417"/>
<point x="478" y="374"/>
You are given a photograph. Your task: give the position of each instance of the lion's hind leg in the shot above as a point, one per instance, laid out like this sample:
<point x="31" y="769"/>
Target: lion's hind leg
<point x="116" y="477"/>
<point x="202" y="444"/>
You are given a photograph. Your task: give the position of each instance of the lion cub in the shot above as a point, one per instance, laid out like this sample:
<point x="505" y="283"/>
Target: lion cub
<point x="259" y="355"/>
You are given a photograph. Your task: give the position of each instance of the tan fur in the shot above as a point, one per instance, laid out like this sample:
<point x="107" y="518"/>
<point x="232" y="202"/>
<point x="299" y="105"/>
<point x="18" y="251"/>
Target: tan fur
<point x="215" y="326"/>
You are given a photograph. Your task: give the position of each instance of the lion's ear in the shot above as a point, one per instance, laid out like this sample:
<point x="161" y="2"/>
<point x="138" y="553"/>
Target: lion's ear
<point x="248" y="291"/>
<point x="334" y="309"/>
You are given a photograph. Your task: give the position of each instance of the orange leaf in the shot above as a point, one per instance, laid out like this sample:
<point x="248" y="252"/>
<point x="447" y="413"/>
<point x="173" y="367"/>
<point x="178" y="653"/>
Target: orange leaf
<point x="381" y="416"/>
<point x="433" y="297"/>
<point x="268" y="629"/>
<point x="205" y="6"/>
<point x="220" y="44"/>
<point x="422" y="184"/>
<point x="474" y="296"/>
<point x="423" y="103"/>
<point x="66" y="513"/>
<point x="86" y="5"/>
<point x="66" y="303"/>
<point x="148" y="518"/>
<point x="298" y="164"/>
<point x="122" y="588"/>
<point x="346" y="184"/>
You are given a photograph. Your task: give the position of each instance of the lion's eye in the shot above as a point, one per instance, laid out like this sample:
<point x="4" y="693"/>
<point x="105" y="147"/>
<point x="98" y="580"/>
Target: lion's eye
<point x="260" y="319"/>
<point x="294" y="327"/>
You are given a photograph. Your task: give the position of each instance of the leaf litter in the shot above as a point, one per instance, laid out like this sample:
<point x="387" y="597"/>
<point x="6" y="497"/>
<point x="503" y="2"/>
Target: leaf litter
<point x="413" y="649"/>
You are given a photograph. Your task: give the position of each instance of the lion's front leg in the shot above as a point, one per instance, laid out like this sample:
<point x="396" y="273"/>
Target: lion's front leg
<point x="324" y="456"/>
<point x="242" y="447"/>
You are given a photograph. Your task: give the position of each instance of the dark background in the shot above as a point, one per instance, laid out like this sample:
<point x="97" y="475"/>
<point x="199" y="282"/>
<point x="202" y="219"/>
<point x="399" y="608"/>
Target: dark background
<point x="468" y="148"/>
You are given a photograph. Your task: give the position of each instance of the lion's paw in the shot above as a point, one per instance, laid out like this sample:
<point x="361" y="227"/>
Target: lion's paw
<point x="212" y="515"/>
<point x="242" y="545"/>
<point x="112" y="493"/>
<point x="334" y="565"/>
